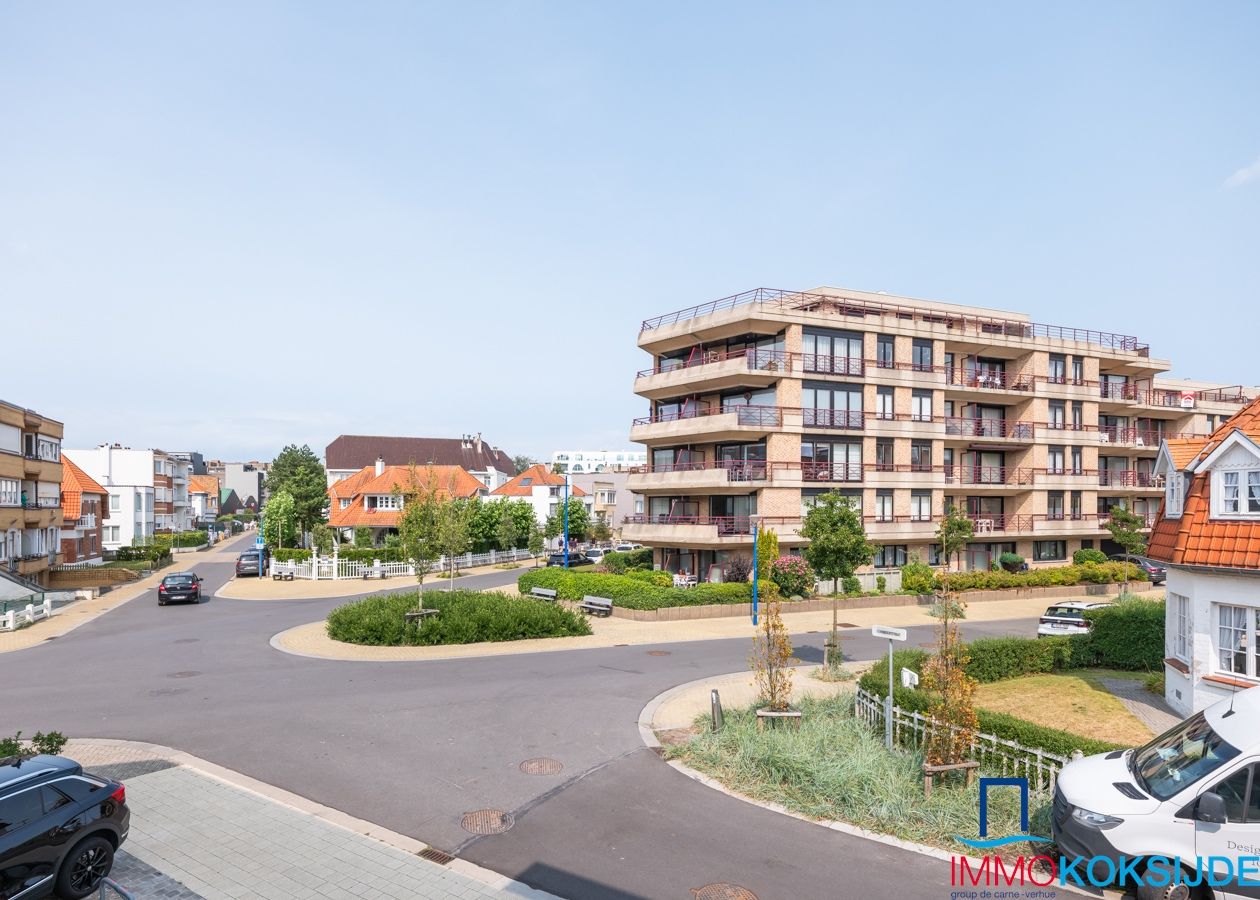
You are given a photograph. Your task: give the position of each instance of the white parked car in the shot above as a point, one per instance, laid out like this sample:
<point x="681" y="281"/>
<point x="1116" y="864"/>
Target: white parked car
<point x="596" y="554"/>
<point x="1066" y="618"/>
<point x="624" y="548"/>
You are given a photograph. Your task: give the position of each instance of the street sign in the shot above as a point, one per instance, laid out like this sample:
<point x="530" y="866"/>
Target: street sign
<point x="258" y="542"/>
<point x="893" y="634"/>
<point x="909" y="678"/>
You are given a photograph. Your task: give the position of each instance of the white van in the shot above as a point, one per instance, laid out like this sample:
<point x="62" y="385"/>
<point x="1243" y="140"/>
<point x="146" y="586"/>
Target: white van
<point x="1187" y="805"/>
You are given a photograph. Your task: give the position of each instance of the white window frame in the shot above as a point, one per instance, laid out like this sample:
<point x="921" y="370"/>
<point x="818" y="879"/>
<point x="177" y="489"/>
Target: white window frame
<point x="1236" y="493"/>
<point x="1231" y="493"/>
<point x="10" y="492"/>
<point x="1173" y="495"/>
<point x="1241" y="629"/>
<point x="1183" y="623"/>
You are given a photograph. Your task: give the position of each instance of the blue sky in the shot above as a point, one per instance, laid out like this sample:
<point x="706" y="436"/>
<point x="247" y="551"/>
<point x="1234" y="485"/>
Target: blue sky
<point x="231" y="226"/>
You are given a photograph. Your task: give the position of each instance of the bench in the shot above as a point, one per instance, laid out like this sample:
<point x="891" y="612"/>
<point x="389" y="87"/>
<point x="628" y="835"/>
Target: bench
<point x="374" y="572"/>
<point x="419" y="615"/>
<point x="543" y="594"/>
<point x="596" y="606"/>
<point x="930" y="773"/>
<point x="281" y="574"/>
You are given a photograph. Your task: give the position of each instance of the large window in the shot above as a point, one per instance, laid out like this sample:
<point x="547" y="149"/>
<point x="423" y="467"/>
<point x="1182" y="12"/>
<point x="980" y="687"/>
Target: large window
<point x="884" y="455"/>
<point x="883" y="403"/>
<point x="921" y="406"/>
<point x="1045" y="551"/>
<point x="1057" y="371"/>
<point x="890" y="556"/>
<point x="831" y="406"/>
<point x="1054" y="504"/>
<point x="884" y="351"/>
<point x="920" y="456"/>
<point x="10" y="492"/>
<point x="921" y="506"/>
<point x="1181" y="638"/>
<point x="883" y="505"/>
<point x="831" y="460"/>
<point x="1054" y="460"/>
<point x="836" y="352"/>
<point x="922" y="355"/>
<point x="1236" y="633"/>
<point x="1058" y="415"/>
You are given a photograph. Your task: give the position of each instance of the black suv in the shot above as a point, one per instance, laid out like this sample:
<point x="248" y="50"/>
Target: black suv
<point x="59" y="827"/>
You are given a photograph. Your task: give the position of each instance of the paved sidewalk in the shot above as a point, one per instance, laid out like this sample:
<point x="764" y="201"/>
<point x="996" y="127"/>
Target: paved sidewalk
<point x="268" y="588"/>
<point x="67" y="618"/>
<point x="312" y="639"/>
<point x="195" y="833"/>
<point x="1151" y="710"/>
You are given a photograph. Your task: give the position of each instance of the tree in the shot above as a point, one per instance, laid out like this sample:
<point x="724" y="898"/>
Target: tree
<point x="599" y="528"/>
<point x="954" y="533"/>
<point x="837" y="548"/>
<point x="298" y="471"/>
<point x="507" y="533"/>
<point x="451" y="531"/>
<point x="483" y="527"/>
<point x="579" y="521"/>
<point x="1126" y="530"/>
<point x="771" y="659"/>
<point x="279" y="519"/>
<point x="523" y="462"/>
<point x="535" y="542"/>
<point x="363" y="536"/>
<point x="767" y="551"/>
<point x="521" y="512"/>
<point x="322" y="538"/>
<point x="417" y="528"/>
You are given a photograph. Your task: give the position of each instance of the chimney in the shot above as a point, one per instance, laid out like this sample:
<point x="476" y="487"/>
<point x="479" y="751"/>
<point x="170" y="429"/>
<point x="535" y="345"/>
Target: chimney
<point x="477" y="444"/>
<point x="380" y="465"/>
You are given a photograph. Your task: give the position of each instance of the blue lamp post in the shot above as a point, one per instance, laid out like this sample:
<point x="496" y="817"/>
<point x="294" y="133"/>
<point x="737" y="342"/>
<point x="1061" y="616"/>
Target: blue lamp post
<point x="752" y="520"/>
<point x="566" y="519"/>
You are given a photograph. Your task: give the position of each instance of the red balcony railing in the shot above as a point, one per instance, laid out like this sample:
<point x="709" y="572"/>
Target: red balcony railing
<point x="756" y="361"/>
<point x="813" y="470"/>
<point x="833" y="418"/>
<point x="990" y="379"/>
<point x="990" y="523"/>
<point x="747" y="415"/>
<point x="724" y="524"/>
<point x="1066" y="472"/>
<point x="799" y="301"/>
<point x="1006" y="475"/>
<point x="1129" y="478"/>
<point x="988" y="428"/>
<point x="736" y="470"/>
<point x="1116" y="434"/>
<point x="1168" y="397"/>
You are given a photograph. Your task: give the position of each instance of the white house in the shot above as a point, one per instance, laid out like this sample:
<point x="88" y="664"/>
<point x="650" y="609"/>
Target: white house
<point x="544" y="491"/>
<point x="588" y="461"/>
<point x="148" y="491"/>
<point x="1208" y="533"/>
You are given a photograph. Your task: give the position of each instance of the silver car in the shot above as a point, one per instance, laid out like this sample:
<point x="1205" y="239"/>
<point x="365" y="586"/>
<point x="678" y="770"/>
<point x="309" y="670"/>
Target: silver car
<point x="1066" y="618"/>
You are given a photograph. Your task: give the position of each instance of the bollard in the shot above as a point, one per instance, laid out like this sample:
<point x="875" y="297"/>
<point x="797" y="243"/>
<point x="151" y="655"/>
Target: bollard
<point x="715" y="710"/>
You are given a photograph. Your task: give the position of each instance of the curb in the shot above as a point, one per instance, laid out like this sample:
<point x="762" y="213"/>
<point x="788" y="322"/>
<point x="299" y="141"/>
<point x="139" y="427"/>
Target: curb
<point x="648" y="735"/>
<point x="342" y="820"/>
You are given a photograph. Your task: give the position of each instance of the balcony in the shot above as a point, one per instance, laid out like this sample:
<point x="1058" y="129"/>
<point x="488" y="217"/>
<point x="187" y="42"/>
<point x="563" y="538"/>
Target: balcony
<point x="991" y="381"/>
<point x="1000" y="523"/>
<point x="1132" y="437"/>
<point x="715" y="370"/>
<point x="896" y="475"/>
<point x="982" y="432"/>
<point x="909" y="527"/>
<point x="1130" y="478"/>
<point x="687" y="531"/>
<point x="1007" y="477"/>
<point x="1064" y="479"/>
<point x="720" y="476"/>
<point x="711" y="423"/>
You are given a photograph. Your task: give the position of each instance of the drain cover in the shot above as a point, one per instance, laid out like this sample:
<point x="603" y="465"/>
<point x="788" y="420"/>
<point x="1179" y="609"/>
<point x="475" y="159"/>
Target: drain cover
<point x="183" y="675"/>
<point x="433" y="854"/>
<point x="542" y="765"/>
<point x="723" y="891"/>
<point x="487" y="821"/>
<point x="659" y="652"/>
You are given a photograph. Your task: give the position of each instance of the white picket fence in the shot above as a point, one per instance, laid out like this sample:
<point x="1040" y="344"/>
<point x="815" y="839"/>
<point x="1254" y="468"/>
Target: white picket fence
<point x="15" y="617"/>
<point x="331" y="568"/>
<point x="996" y="755"/>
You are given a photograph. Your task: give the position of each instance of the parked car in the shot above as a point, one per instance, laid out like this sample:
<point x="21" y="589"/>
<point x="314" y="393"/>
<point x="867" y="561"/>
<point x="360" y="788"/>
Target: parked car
<point x="575" y="559"/>
<point x="1155" y="571"/>
<point x="628" y="548"/>
<point x="1067" y="617"/>
<point x="249" y="563"/>
<point x="180" y="586"/>
<point x="59" y="827"/>
<point x="595" y="555"/>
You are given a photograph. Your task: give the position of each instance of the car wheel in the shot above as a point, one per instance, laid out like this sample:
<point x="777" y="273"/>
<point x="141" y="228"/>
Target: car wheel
<point x="161" y="603"/>
<point x="84" y="868"/>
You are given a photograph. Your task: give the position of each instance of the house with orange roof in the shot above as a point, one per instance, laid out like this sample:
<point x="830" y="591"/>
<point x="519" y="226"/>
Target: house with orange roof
<point x="373" y="497"/>
<point x="543" y="489"/>
<point x="84" y="508"/>
<point x="203" y="495"/>
<point x="1208" y="534"/>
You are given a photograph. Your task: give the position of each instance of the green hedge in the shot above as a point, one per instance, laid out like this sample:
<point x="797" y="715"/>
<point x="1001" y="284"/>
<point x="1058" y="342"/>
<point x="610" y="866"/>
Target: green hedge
<point x="353" y="554"/>
<point x="634" y="592"/>
<point x="1089" y="573"/>
<point x="190" y="539"/>
<point x="154" y="554"/>
<point x="996" y="659"/>
<point x="1127" y="634"/>
<point x="465" y="617"/>
<point x="617" y="563"/>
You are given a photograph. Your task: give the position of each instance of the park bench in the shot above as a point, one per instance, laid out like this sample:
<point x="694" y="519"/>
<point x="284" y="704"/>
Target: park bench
<point x="281" y="574"/>
<point x="543" y="594"/>
<point x="596" y="606"/>
<point x="374" y="572"/>
<point x="419" y="615"/>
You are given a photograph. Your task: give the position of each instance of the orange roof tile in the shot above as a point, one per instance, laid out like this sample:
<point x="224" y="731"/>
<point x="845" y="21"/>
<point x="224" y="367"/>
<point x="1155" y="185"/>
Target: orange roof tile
<point x="394" y="479"/>
<point x="1196" y="539"/>
<point x="204" y="484"/>
<point x="523" y="484"/>
<point x="74" y="484"/>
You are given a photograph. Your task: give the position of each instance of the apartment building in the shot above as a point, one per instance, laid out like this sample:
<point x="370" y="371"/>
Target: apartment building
<point x="148" y="491"/>
<point x="577" y="462"/>
<point x="84" y="509"/>
<point x="761" y="402"/>
<point x="349" y="453"/>
<point x="30" y="492"/>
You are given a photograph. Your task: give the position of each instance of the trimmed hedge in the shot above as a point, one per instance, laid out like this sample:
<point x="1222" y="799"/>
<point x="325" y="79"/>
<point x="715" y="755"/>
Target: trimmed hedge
<point x="996" y="659"/>
<point x="618" y="563"/>
<point x="465" y="617"/>
<point x="1089" y="573"/>
<point x="1128" y="634"/>
<point x="154" y="554"/>
<point x="634" y="591"/>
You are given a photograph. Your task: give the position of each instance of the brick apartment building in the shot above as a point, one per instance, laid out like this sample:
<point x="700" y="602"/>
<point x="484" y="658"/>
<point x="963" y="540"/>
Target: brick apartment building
<point x="761" y="402"/>
<point x="84" y="508"/>
<point x="30" y="492"/>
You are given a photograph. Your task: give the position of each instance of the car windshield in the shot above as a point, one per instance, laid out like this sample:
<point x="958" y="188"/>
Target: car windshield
<point x="1066" y="612"/>
<point x="178" y="579"/>
<point x="1180" y="757"/>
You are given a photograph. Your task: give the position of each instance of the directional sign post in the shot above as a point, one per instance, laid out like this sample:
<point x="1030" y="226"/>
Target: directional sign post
<point x="893" y="634"/>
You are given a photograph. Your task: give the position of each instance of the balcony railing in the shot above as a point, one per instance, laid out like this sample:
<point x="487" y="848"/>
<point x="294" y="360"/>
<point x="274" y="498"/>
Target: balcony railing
<point x="798" y="301"/>
<point x="756" y="360"/>
<point x="1089" y="520"/>
<point x="991" y="379"/>
<point x="980" y="475"/>
<point x="747" y="415"/>
<point x="990" y="523"/>
<point x="724" y="524"/>
<point x="1111" y="390"/>
<point x="41" y="503"/>
<point x="814" y="470"/>
<point x="988" y="428"/>
<point x="1129" y="478"/>
<point x="1116" y="434"/>
<point x="736" y="470"/>
<point x="833" y="418"/>
<point x="1066" y="472"/>
<point x="819" y="364"/>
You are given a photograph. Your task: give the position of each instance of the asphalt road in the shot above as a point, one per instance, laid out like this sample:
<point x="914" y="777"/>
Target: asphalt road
<point x="414" y="746"/>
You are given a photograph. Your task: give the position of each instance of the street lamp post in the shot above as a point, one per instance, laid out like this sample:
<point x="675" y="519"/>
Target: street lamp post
<point x="752" y="520"/>
<point x="566" y="519"/>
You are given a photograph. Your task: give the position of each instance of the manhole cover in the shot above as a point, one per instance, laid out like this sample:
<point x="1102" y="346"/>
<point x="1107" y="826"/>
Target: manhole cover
<point x="487" y="821"/>
<point x="187" y="640"/>
<point x="183" y="675"/>
<point x="723" y="891"/>
<point x="542" y="765"/>
<point x="659" y="652"/>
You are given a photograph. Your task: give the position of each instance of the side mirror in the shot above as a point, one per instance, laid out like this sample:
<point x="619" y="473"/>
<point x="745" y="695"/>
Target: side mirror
<point x="1210" y="808"/>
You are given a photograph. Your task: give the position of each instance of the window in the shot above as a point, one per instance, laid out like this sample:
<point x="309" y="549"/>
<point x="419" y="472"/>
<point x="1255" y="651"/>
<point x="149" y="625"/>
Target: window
<point x="920" y="456"/>
<point x="1181" y="638"/>
<point x="883" y="403"/>
<point x="638" y="506"/>
<point x="1045" y="551"/>
<point x="10" y="492"/>
<point x="883" y="454"/>
<point x="1078" y="467"/>
<point x="1253" y="492"/>
<point x="889" y="556"/>
<point x="1240" y="793"/>
<point x="1057" y="372"/>
<point x="1078" y="415"/>
<point x="884" y="351"/>
<point x="1078" y="370"/>
<point x="20" y="809"/>
<point x="345" y="504"/>
<point x="921" y="506"/>
<point x="831" y="406"/>
<point x="1054" y="504"/>
<point x="921" y="406"/>
<point x="922" y="355"/>
<point x="884" y="505"/>
<point x="1054" y="460"/>
<point x="1075" y="508"/>
<point x="1230" y="497"/>
<point x="1236" y="633"/>
<point x="139" y="503"/>
<point x="1058" y="414"/>
<point x="109" y="534"/>
<point x="1173" y="494"/>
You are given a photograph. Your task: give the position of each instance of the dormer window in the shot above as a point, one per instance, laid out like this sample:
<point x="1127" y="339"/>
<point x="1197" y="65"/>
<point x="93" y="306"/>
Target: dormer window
<point x="1174" y="494"/>
<point x="1239" y="492"/>
<point x="1231" y="495"/>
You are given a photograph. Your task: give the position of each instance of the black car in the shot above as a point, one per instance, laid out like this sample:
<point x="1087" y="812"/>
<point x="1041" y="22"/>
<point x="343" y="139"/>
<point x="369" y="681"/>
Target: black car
<point x="1155" y="571"/>
<point x="59" y="827"/>
<point x="248" y="563"/>
<point x="575" y="559"/>
<point x="184" y="586"/>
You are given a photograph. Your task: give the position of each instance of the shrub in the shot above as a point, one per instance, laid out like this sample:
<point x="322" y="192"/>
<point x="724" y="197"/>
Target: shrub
<point x="632" y="592"/>
<point x="995" y="659"/>
<point x="1107" y="573"/>
<point x="1088" y="555"/>
<point x="793" y="576"/>
<point x="1128" y="634"/>
<point x="651" y="576"/>
<point x="1154" y="682"/>
<point x="362" y="536"/>
<point x="881" y="583"/>
<point x="617" y="563"/>
<point x="157" y="555"/>
<point x="465" y="617"/>
<point x="851" y="585"/>
<point x="737" y="569"/>
<point x="1011" y="562"/>
<point x="49" y="744"/>
<point x="917" y="578"/>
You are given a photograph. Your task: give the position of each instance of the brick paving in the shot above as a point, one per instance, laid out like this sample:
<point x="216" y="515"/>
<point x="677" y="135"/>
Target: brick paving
<point x="1151" y="710"/>
<point x="144" y="882"/>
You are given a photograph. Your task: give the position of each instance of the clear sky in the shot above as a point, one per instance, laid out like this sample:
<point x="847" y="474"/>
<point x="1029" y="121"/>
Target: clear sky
<point x="231" y="226"/>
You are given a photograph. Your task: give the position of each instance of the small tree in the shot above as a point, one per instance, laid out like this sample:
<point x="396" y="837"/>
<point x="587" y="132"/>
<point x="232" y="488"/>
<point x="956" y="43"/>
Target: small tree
<point x="417" y="528"/>
<point x="363" y="537"/>
<point x="837" y="548"/>
<point x="771" y="660"/>
<point x="322" y="538"/>
<point x="451" y="531"/>
<point x="507" y="533"/>
<point x="1126" y="530"/>
<point x="954" y="533"/>
<point x="279" y="518"/>
<point x="599" y="528"/>
<point x="767" y="551"/>
<point x="535" y="542"/>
